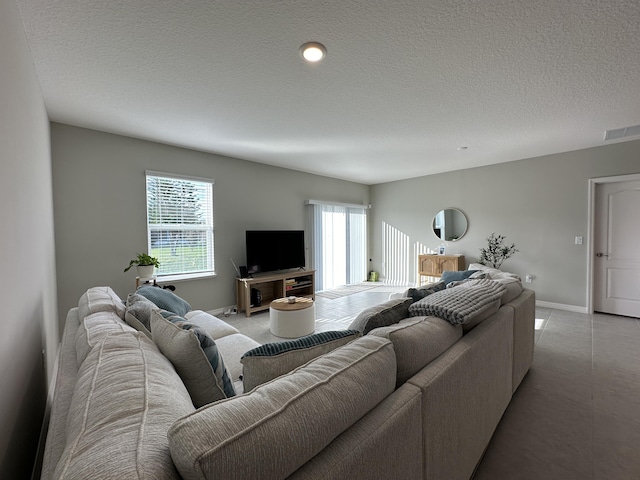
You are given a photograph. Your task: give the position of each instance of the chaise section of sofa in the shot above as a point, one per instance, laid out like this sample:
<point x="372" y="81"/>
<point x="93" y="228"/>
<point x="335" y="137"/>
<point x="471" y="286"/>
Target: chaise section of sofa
<point x="465" y="391"/>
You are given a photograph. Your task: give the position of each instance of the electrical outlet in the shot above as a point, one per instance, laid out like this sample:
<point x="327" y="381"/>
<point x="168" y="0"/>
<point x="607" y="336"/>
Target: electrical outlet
<point x="578" y="240"/>
<point x="529" y="278"/>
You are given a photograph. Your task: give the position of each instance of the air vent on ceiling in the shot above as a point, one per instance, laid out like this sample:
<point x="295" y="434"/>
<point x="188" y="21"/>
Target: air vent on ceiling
<point x="622" y="132"/>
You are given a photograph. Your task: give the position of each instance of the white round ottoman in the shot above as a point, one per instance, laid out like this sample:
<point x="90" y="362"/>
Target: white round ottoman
<point x="292" y="320"/>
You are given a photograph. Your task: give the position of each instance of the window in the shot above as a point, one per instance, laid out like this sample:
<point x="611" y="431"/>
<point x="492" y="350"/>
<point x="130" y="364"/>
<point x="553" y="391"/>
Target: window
<point x="180" y="223"/>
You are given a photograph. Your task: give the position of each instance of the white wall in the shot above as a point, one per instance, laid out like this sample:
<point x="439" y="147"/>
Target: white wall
<point x="540" y="204"/>
<point x="27" y="284"/>
<point x="100" y="209"/>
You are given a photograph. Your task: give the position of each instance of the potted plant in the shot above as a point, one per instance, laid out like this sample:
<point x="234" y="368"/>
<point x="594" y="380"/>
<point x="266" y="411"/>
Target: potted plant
<point x="145" y="264"/>
<point x="496" y="252"/>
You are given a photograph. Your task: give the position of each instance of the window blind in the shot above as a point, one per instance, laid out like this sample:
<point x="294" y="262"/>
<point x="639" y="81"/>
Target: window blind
<point x="180" y="223"/>
<point x="338" y="249"/>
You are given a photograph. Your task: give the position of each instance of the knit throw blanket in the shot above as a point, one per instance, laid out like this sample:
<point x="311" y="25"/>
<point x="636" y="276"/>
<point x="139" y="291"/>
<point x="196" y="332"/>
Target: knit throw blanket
<point x="460" y="304"/>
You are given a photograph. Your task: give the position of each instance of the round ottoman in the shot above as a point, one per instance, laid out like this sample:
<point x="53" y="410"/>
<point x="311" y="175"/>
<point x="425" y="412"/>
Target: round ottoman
<point x="292" y="320"/>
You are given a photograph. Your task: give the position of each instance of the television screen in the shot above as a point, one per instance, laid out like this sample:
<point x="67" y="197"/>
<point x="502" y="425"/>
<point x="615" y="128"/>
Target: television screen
<point x="271" y="250"/>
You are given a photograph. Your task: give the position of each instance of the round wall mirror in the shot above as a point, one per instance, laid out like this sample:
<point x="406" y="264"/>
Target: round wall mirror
<point x="449" y="224"/>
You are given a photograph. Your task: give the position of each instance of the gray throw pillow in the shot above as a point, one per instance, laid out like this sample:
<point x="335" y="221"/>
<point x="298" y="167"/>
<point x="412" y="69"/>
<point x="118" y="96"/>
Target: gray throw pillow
<point x="165" y="299"/>
<point x="138" y="313"/>
<point x="383" y="315"/>
<point x="421" y="292"/>
<point x="269" y="361"/>
<point x="195" y="357"/>
<point x="448" y="277"/>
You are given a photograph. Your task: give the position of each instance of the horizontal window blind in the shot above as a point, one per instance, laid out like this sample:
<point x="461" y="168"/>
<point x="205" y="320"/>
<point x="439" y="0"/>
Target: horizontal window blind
<point x="180" y="223"/>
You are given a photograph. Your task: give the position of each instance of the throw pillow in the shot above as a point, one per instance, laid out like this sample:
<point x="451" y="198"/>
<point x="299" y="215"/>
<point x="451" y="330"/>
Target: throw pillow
<point x="448" y="277"/>
<point x="271" y="360"/>
<point x="421" y="292"/>
<point x="493" y="273"/>
<point x="195" y="357"/>
<point x="165" y="299"/>
<point x="385" y="314"/>
<point x="138" y="313"/>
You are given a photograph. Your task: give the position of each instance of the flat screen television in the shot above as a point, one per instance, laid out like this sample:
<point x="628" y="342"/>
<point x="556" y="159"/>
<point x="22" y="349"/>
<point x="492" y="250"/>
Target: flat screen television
<point x="272" y="250"/>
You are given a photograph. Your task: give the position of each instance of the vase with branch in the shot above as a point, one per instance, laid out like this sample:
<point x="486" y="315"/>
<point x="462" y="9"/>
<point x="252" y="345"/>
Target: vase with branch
<point x="497" y="251"/>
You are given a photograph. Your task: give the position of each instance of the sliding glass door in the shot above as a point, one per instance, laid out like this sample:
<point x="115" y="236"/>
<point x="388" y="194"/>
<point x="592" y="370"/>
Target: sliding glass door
<point x="338" y="243"/>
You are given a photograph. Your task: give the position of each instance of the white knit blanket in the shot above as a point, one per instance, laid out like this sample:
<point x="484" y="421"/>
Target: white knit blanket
<point x="460" y="304"/>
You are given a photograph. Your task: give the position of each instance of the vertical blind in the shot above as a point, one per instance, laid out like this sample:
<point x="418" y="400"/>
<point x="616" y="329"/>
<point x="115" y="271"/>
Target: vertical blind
<point x="180" y="223"/>
<point x="338" y="248"/>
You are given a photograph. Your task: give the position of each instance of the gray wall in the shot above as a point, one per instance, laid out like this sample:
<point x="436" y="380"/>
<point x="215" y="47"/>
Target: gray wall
<point x="27" y="284"/>
<point x="100" y="209"/>
<point x="540" y="204"/>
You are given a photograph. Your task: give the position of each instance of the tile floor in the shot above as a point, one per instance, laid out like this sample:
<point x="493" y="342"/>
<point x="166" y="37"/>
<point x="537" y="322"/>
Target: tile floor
<point x="576" y="414"/>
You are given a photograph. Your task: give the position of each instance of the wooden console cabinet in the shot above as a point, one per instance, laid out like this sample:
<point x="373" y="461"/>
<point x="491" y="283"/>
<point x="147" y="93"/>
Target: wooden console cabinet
<point x="432" y="265"/>
<point x="275" y="285"/>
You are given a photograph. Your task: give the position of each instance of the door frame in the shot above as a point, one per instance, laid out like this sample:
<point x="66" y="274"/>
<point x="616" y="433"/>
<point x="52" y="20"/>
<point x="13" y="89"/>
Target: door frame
<point x="591" y="229"/>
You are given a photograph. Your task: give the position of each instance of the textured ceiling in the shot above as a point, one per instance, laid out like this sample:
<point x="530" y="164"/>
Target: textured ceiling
<point x="404" y="84"/>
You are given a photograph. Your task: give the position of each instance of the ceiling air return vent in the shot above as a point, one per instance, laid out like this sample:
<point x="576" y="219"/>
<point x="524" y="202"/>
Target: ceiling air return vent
<point x="622" y="132"/>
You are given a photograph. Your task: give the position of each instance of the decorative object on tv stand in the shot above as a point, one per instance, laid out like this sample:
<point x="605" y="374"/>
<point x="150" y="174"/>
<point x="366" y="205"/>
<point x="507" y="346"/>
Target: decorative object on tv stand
<point x="496" y="252"/>
<point x="145" y="264"/>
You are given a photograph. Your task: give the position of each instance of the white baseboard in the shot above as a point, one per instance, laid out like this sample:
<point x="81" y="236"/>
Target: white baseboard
<point x="561" y="306"/>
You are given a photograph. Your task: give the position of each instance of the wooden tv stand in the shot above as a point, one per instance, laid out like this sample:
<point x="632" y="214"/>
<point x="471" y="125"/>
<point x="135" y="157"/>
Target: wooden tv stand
<point x="299" y="283"/>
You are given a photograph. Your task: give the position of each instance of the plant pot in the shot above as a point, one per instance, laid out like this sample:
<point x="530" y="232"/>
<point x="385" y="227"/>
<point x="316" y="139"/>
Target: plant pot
<point x="145" y="272"/>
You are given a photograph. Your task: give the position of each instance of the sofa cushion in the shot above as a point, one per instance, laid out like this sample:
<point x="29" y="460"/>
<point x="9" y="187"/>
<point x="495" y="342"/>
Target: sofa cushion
<point x="94" y="328"/>
<point x="417" y="341"/>
<point x="513" y="288"/>
<point x="165" y="299"/>
<point x="280" y="425"/>
<point x="126" y="397"/>
<point x="214" y="327"/>
<point x="271" y="360"/>
<point x="468" y="303"/>
<point x="448" y="276"/>
<point x="195" y="357"/>
<point x="232" y="347"/>
<point x="387" y="313"/>
<point x="100" y="299"/>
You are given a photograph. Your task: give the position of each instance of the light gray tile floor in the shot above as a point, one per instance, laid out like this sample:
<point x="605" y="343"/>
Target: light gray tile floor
<point x="576" y="414"/>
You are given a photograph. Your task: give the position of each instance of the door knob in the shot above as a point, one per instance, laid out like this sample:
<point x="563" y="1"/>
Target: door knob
<point x="600" y="254"/>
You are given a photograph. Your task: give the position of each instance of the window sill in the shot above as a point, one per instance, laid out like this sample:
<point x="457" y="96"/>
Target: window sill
<point x="184" y="277"/>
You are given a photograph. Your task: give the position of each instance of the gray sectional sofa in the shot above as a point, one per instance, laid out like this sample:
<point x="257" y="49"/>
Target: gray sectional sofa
<point x="416" y="397"/>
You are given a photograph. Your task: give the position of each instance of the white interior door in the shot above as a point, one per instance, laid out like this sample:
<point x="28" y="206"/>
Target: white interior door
<point x="617" y="248"/>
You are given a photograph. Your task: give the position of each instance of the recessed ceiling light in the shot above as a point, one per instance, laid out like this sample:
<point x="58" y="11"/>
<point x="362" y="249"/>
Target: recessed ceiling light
<point x="313" y="52"/>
